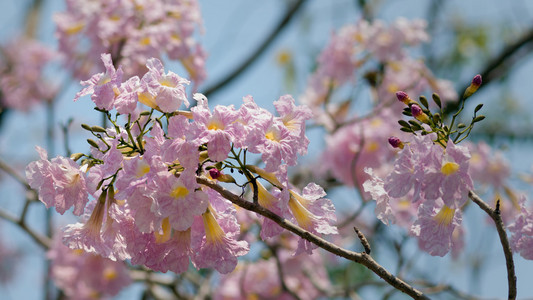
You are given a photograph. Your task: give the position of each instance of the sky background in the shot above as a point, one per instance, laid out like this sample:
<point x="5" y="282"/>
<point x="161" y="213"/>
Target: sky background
<point x="232" y="30"/>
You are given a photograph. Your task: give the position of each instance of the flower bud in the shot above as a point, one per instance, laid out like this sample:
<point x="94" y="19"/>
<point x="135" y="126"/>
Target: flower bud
<point x="214" y="173"/>
<point x="419" y="114"/>
<point x="472" y="88"/>
<point x="403" y="97"/>
<point x="396" y="142"/>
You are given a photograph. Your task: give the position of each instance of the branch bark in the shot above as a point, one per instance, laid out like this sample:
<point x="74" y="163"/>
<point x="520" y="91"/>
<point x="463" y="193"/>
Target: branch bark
<point x="361" y="258"/>
<point x="500" y="227"/>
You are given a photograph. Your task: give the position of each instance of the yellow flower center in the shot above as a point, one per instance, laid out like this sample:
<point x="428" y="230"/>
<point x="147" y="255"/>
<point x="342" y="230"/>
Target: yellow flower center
<point x="445" y="216"/>
<point x="145" y="41"/>
<point x="78" y="252"/>
<point x="142" y="169"/>
<point x="110" y="274"/>
<point x="179" y="192"/>
<point x="266" y="199"/>
<point x="373" y="146"/>
<point x="215" y="125"/>
<point x="272" y="135"/>
<point x="147" y="99"/>
<point x="167" y="83"/>
<point x="213" y="231"/>
<point x="75" y="28"/>
<point x="302" y="215"/>
<point x="449" y="168"/>
<point x="163" y="235"/>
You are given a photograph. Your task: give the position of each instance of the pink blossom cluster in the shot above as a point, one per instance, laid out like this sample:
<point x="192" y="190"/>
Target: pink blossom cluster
<point x="522" y="231"/>
<point x="82" y="275"/>
<point x="355" y="49"/>
<point x="148" y="206"/>
<point x="132" y="31"/>
<point x="22" y="79"/>
<point x="425" y="191"/>
<point x="262" y="280"/>
<point x="360" y="144"/>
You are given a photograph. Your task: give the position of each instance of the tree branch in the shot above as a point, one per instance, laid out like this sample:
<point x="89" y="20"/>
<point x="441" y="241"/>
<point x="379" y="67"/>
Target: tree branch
<point x="498" y="66"/>
<point x="361" y="258"/>
<point x="257" y="53"/>
<point x="500" y="227"/>
<point x="43" y="241"/>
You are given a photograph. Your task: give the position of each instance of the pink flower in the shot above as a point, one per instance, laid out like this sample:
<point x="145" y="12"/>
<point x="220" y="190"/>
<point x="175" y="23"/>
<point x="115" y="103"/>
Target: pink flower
<point x="22" y="80"/>
<point x="411" y="166"/>
<point x="214" y="238"/>
<point x="103" y="86"/>
<point x="131" y="31"/>
<point x="87" y="236"/>
<point x="488" y="167"/>
<point x="313" y="213"/>
<point x="178" y="198"/>
<point x="304" y="275"/>
<point x="449" y="178"/>
<point x="274" y="141"/>
<point x="356" y="146"/>
<point x="374" y="186"/>
<point x="522" y="232"/>
<point x="161" y="250"/>
<point x="59" y="182"/>
<point x="162" y="91"/>
<point x="434" y="227"/>
<point x="401" y="211"/>
<point x="182" y="143"/>
<point x="267" y="200"/>
<point x="82" y="275"/>
<point x="216" y="128"/>
<point x="294" y="117"/>
<point x="126" y="100"/>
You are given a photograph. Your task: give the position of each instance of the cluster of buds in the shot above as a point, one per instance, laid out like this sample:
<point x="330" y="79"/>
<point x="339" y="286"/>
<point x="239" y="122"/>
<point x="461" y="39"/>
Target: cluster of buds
<point x="426" y="122"/>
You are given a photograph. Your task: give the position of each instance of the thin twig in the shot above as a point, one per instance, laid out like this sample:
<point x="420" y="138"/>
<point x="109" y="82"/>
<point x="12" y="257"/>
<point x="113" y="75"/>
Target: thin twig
<point x="361" y="258"/>
<point x="281" y="275"/>
<point x="363" y="239"/>
<point x="257" y="53"/>
<point x="11" y="172"/>
<point x="498" y="66"/>
<point x="500" y="227"/>
<point x="43" y="241"/>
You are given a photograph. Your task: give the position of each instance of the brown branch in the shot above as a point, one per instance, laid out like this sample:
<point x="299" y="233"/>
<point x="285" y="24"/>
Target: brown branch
<point x="257" y="53"/>
<point x="500" y="227"/>
<point x="363" y="240"/>
<point x="43" y="241"/>
<point x="11" y="172"/>
<point x="498" y="66"/>
<point x="361" y="258"/>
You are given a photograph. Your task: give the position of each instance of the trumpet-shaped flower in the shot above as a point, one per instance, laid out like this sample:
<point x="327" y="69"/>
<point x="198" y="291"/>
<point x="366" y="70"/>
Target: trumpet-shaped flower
<point x="434" y="227"/>
<point x="179" y="199"/>
<point x="522" y="232"/>
<point x="59" y="182"/>
<point x="83" y="275"/>
<point x="214" y="237"/>
<point x="104" y="87"/>
<point x="216" y="128"/>
<point x="313" y="213"/>
<point x="449" y="178"/>
<point x="162" y="91"/>
<point x="294" y="117"/>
